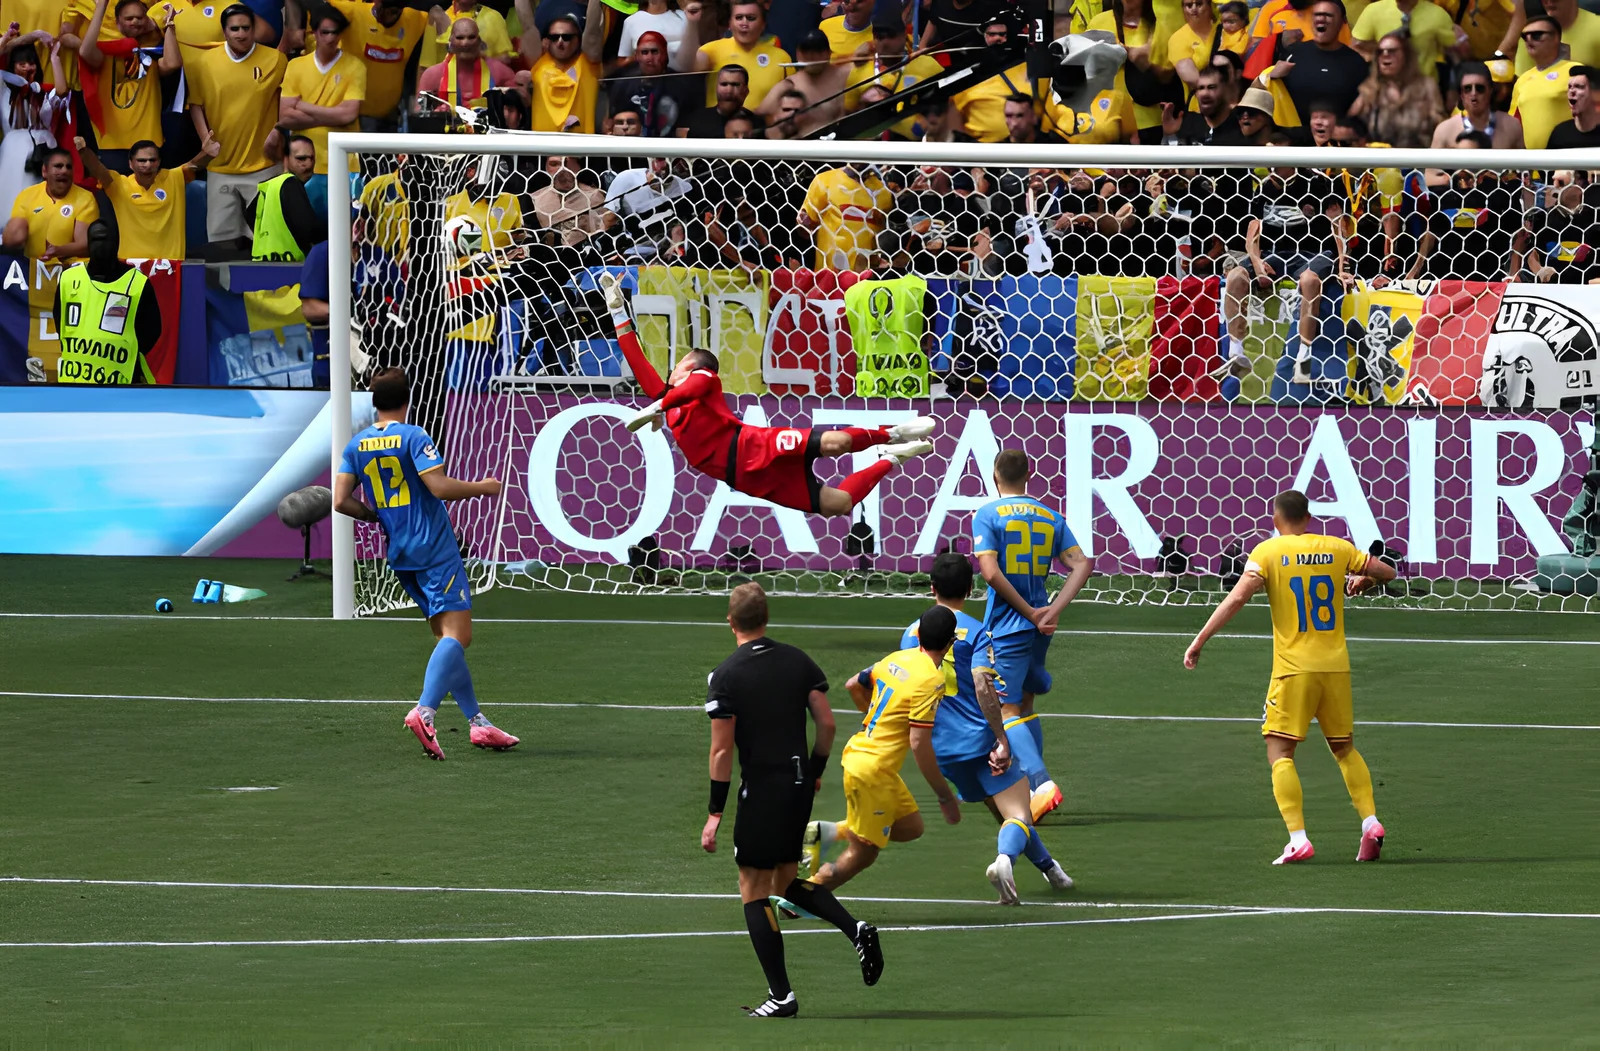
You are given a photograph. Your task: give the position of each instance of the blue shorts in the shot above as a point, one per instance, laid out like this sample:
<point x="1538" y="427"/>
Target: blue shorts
<point x="439" y="589"/>
<point x="975" y="782"/>
<point x="1018" y="664"/>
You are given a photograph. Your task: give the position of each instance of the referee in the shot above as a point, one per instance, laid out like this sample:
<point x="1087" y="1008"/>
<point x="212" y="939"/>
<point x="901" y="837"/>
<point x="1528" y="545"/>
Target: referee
<point x="757" y="700"/>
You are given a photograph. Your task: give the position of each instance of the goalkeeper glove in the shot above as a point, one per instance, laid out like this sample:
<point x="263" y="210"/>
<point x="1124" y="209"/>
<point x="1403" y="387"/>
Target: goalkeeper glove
<point x="653" y="415"/>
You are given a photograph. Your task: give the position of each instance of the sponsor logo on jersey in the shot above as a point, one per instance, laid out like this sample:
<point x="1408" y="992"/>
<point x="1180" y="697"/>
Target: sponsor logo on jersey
<point x="385" y="54"/>
<point x="1319" y="558"/>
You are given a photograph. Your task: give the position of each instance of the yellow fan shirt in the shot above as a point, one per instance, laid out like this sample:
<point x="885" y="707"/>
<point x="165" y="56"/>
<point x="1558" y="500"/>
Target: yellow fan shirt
<point x="151" y="221"/>
<point x="766" y="64"/>
<point x="240" y="97"/>
<point x="384" y="49"/>
<point x="850" y="213"/>
<point x="52" y="221"/>
<point x="345" y="79"/>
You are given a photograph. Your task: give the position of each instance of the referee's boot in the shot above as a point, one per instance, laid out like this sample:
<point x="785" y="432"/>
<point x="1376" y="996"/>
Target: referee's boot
<point x="772" y="1007"/>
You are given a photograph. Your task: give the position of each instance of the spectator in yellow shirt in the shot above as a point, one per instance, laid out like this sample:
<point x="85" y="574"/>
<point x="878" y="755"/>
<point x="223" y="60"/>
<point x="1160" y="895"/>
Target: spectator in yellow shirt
<point x="747" y="46"/>
<point x="890" y="68"/>
<point x="983" y="105"/>
<point x="238" y="98"/>
<point x="491" y="30"/>
<point x="1580" y="36"/>
<point x="385" y="35"/>
<point x="121" y="87"/>
<point x="566" y="81"/>
<point x="846" y="209"/>
<point x="149" y="204"/>
<point x="50" y="219"/>
<point x="323" y="91"/>
<point x="1429" y="30"/>
<point x="1539" y="97"/>
<point x="849" y="30"/>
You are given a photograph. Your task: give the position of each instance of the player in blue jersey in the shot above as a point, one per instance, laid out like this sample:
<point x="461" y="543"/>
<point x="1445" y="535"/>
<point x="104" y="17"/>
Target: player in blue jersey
<point x="970" y="745"/>
<point x="1017" y="540"/>
<point x="402" y="474"/>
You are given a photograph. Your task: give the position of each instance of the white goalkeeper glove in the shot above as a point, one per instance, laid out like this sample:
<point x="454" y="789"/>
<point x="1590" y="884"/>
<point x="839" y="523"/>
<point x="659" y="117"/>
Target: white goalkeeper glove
<point x="611" y="288"/>
<point x="653" y="416"/>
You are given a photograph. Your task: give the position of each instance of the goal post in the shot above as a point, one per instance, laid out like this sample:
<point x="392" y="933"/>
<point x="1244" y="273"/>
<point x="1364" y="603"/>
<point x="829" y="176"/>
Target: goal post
<point x="1079" y="302"/>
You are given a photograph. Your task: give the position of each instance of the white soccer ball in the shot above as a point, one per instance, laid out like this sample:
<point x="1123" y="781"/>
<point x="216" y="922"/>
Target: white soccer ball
<point x="464" y="236"/>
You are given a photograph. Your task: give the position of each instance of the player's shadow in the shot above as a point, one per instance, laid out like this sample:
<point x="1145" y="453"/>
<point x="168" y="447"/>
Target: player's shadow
<point x="1068" y="820"/>
<point x="932" y="1014"/>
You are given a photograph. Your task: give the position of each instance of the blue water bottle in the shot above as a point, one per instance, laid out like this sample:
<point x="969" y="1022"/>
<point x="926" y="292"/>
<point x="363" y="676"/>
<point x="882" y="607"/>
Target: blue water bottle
<point x="214" y="592"/>
<point x="200" y="591"/>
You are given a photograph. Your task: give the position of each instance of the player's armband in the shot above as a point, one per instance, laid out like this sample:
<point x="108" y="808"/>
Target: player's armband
<point x="718" y="708"/>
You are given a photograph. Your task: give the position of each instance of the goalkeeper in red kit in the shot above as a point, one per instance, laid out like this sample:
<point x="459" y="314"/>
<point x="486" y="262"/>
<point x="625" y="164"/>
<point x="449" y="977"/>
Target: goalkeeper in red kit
<point x="773" y="463"/>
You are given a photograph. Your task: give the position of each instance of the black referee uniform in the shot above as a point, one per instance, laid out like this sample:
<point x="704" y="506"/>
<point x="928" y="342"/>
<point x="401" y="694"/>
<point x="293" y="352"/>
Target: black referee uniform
<point x="766" y="686"/>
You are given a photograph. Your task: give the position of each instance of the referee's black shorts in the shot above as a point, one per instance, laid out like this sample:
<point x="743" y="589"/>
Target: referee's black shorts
<point x="771" y="821"/>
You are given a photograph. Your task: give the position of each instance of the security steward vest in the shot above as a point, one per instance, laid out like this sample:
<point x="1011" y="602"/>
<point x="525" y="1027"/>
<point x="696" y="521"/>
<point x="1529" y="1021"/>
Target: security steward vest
<point x="886" y="323"/>
<point x="98" y="341"/>
<point x="273" y="241"/>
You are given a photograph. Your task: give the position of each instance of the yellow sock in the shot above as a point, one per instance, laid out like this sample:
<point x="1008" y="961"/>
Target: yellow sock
<point x="1286" y="790"/>
<point x="1358" y="779"/>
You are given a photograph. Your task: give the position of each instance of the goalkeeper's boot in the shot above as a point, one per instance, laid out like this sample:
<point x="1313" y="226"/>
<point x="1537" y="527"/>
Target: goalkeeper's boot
<point x="1371" y="842"/>
<point x="1045" y="799"/>
<point x="904" y="451"/>
<point x="487" y="735"/>
<point x="1059" y="880"/>
<point x="420" y="722"/>
<point x="652" y="416"/>
<point x="1302" y="371"/>
<point x="1303" y="851"/>
<point x="1236" y="366"/>
<point x="916" y="427"/>
<point x="772" y="1007"/>
<point x="1004" y="879"/>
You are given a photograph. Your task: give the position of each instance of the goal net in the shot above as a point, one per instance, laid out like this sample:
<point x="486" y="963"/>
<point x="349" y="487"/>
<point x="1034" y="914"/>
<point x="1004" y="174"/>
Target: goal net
<point x="1172" y="334"/>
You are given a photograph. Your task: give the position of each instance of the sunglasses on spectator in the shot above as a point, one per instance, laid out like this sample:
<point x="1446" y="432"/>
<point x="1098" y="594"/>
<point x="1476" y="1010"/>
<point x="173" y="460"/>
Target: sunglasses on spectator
<point x="1473" y="89"/>
<point x="1536" y="34"/>
<point x="1390" y="51"/>
<point x="1342" y="142"/>
<point x="561" y="36"/>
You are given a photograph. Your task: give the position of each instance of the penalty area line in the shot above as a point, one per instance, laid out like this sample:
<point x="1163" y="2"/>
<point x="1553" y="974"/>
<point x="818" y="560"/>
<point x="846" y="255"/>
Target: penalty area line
<point x="519" y="939"/>
<point x="680" y="708"/>
<point x="722" y="626"/>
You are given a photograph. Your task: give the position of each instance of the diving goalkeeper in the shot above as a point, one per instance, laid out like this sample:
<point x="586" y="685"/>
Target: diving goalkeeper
<point x="772" y="463"/>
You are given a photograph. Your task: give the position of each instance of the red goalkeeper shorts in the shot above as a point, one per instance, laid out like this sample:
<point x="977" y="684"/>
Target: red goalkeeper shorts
<point x="774" y="463"/>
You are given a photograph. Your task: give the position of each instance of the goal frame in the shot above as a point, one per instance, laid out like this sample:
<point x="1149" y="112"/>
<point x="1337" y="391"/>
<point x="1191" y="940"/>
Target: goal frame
<point x="969" y="154"/>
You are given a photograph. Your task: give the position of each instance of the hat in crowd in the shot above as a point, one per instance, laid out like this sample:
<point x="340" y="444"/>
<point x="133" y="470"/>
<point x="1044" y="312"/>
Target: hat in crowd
<point x="884" y="22"/>
<point x="1259" y="99"/>
<point x="650" y="36"/>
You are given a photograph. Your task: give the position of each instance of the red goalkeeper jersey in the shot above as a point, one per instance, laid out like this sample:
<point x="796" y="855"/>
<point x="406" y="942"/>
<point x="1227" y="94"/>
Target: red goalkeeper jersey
<point x="701" y="422"/>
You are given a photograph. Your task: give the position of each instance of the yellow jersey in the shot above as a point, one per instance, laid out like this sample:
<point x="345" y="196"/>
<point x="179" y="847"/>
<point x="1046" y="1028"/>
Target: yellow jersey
<point x="906" y="689"/>
<point x="1539" y="100"/>
<point x="343" y="80"/>
<point x="898" y="75"/>
<point x="1135" y="36"/>
<point x="983" y="106"/>
<point x="497" y="217"/>
<point x="52" y="221"/>
<point x="384" y="49"/>
<point x="844" y="42"/>
<point x="150" y="222"/>
<point x="388" y="212"/>
<point x="240" y="97"/>
<point x="563" y="94"/>
<point x="1432" y="30"/>
<point x="766" y="63"/>
<point x="1305" y="585"/>
<point x="33" y="15"/>
<point x="199" y="29"/>
<point x="849" y="212"/>
<point x="1581" y="44"/>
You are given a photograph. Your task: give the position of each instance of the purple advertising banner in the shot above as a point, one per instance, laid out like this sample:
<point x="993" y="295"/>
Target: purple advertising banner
<point x="1461" y="492"/>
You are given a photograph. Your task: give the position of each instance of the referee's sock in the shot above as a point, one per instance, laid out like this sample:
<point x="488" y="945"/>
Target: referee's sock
<point x="820" y="902"/>
<point x="1025" y="750"/>
<point x="768" y="941"/>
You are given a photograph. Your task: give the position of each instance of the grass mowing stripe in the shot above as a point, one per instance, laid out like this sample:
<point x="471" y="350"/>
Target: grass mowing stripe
<point x="630" y="936"/>
<point x="699" y="708"/>
<point x="722" y="626"/>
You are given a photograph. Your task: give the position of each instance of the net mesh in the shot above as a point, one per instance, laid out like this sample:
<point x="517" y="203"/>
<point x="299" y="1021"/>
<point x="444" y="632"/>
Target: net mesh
<point x="1415" y="348"/>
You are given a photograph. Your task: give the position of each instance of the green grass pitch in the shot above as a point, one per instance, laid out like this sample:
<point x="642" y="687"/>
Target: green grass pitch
<point x="1480" y="926"/>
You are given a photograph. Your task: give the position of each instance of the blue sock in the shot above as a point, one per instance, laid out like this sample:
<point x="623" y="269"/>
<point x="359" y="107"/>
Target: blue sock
<point x="447" y="673"/>
<point x="1037" y="853"/>
<point x="1013" y="838"/>
<point x="1025" y="751"/>
<point x="1036" y="728"/>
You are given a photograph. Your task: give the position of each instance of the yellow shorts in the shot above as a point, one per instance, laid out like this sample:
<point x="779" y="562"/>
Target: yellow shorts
<point x="874" y="804"/>
<point x="1294" y="700"/>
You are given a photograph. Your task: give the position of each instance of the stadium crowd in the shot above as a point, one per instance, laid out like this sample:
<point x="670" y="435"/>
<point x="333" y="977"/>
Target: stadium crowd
<point x="138" y="114"/>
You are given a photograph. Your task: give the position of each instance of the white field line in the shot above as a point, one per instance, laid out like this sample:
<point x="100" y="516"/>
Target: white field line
<point x="629" y="936"/>
<point x="681" y="708"/>
<point x="709" y="896"/>
<point x="721" y="626"/>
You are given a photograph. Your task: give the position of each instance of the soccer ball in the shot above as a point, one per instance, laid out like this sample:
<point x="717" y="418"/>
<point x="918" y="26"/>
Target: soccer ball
<point x="464" y="236"/>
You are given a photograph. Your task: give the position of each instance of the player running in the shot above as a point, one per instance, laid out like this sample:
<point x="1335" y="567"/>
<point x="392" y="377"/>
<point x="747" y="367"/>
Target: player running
<point x="1017" y="539"/>
<point x="757" y="700"/>
<point x="970" y="744"/>
<point x="772" y="463"/>
<point x="1306" y="576"/>
<point x="899" y="697"/>
<point x="403" y="476"/>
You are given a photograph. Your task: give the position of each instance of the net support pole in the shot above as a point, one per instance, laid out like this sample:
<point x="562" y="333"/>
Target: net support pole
<point x="340" y="290"/>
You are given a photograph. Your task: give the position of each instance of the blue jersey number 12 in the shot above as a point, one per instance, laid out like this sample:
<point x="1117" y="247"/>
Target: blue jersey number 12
<point x="1320" y="613"/>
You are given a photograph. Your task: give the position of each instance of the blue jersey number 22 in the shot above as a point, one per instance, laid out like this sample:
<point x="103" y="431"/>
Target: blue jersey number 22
<point x="1032" y="550"/>
<point x="1321" y="613"/>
